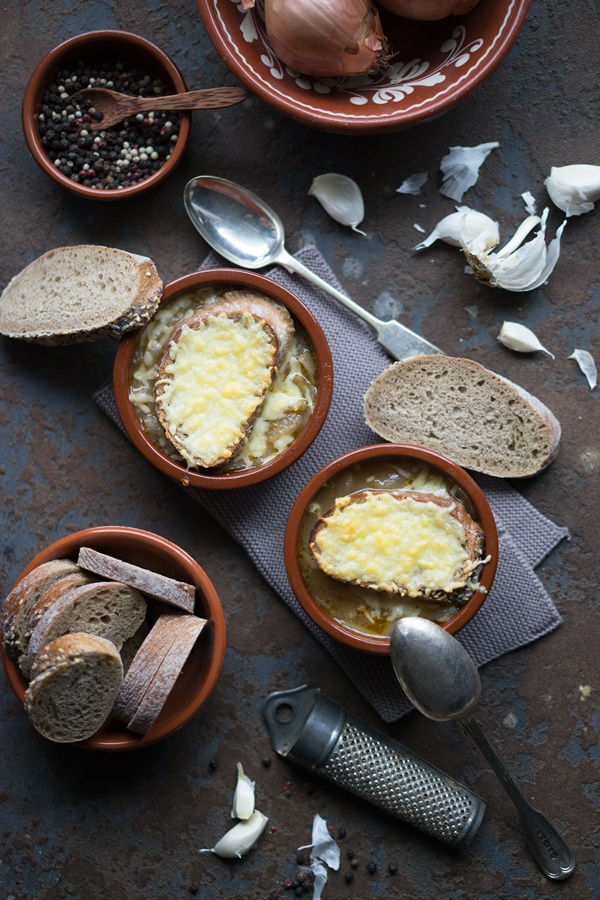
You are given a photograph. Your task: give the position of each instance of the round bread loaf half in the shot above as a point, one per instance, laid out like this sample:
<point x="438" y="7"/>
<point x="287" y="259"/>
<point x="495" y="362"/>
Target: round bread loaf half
<point x="81" y="293"/>
<point x="462" y="410"/>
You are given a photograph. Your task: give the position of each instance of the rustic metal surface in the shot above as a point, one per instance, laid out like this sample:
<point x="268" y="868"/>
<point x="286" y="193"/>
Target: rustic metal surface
<point x="78" y="824"/>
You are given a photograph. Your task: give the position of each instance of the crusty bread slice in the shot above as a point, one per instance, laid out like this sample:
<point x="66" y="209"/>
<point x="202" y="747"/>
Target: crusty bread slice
<point x="188" y="629"/>
<point x="145" y="664"/>
<point x="403" y="542"/>
<point x="169" y="590"/>
<point x="211" y="382"/>
<point x="132" y="645"/>
<point x="108" y="609"/>
<point x="17" y="607"/>
<point x="43" y="603"/>
<point x="76" y="679"/>
<point x="276" y="316"/>
<point x="80" y="293"/>
<point x="464" y="411"/>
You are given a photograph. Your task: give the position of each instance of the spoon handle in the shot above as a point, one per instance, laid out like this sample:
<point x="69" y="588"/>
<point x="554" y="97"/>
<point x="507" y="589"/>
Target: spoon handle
<point x="208" y="98"/>
<point x="549" y="850"/>
<point x="399" y="341"/>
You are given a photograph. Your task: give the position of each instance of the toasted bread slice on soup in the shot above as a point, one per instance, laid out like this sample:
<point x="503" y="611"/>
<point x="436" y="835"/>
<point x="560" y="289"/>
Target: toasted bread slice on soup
<point x="215" y="372"/>
<point x="403" y="542"/>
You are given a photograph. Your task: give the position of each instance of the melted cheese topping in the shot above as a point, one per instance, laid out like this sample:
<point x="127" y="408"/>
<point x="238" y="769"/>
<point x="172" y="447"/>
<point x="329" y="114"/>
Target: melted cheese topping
<point x="213" y="383"/>
<point x="393" y="544"/>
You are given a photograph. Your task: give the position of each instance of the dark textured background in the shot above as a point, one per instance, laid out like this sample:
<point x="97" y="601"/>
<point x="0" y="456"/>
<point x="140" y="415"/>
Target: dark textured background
<point x="76" y="824"/>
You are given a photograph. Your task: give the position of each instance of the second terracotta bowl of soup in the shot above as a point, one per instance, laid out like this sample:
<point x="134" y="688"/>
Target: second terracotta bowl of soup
<point x="389" y="531"/>
<point x="287" y="419"/>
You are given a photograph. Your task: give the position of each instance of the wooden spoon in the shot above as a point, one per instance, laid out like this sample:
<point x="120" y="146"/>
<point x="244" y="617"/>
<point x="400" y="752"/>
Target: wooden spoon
<point x="115" y="106"/>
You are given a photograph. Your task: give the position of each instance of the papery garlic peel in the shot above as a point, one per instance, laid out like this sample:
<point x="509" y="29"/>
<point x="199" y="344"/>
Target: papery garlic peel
<point x="328" y="38"/>
<point x="460" y="168"/>
<point x="585" y="361"/>
<point x="429" y="10"/>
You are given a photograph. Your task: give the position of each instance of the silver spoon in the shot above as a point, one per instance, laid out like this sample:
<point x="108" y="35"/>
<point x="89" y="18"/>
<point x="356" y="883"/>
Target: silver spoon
<point x="441" y="680"/>
<point x="247" y="232"/>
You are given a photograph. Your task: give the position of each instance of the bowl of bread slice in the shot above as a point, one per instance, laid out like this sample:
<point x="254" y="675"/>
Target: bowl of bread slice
<point x="388" y="531"/>
<point x="229" y="382"/>
<point x="112" y="638"/>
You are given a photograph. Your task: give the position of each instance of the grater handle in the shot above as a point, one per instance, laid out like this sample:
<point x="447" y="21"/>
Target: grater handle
<point x="320" y="735"/>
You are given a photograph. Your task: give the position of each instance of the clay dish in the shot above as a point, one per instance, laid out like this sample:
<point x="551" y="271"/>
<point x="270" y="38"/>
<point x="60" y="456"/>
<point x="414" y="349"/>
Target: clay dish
<point x="201" y="671"/>
<point x="223" y="279"/>
<point x="353" y="472"/>
<point x="434" y="66"/>
<point x="102" y="46"/>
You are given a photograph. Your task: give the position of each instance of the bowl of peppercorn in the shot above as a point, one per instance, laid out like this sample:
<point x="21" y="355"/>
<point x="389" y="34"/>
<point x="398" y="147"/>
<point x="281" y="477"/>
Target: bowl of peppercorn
<point x="115" y="162"/>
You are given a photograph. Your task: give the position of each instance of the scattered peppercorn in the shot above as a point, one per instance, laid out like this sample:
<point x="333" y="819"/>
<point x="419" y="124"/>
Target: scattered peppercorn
<point x="309" y="787"/>
<point x="392" y="869"/>
<point x="350" y="854"/>
<point x="372" y="868"/>
<point x="194" y="887"/>
<point x="266" y="763"/>
<point x="354" y="863"/>
<point x="116" y="157"/>
<point x="213" y="763"/>
<point x="349" y="876"/>
<point x="341" y="833"/>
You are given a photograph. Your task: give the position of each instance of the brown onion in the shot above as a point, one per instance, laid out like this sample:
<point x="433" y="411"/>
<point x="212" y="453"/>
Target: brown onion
<point x="429" y="10"/>
<point x="326" y="37"/>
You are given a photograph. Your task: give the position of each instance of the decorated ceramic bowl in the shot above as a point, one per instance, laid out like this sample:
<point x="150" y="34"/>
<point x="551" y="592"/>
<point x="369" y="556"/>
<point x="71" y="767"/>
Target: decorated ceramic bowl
<point x="433" y="65"/>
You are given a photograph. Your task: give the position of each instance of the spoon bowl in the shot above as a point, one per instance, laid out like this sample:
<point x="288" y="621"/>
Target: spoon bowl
<point x="441" y="680"/>
<point x="246" y="231"/>
<point x="115" y="106"/>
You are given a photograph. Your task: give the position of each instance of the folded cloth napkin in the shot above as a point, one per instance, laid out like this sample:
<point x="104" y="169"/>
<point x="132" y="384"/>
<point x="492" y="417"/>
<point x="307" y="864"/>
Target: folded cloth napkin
<point x="518" y="609"/>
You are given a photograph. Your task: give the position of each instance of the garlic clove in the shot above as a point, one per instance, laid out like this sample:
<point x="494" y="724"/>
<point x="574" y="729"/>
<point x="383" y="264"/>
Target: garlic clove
<point x="586" y="363"/>
<point x="530" y="204"/>
<point x="241" y="838"/>
<point x="413" y="184"/>
<point x="341" y="197"/>
<point x="520" y="338"/>
<point x="574" y="189"/>
<point x="463" y="226"/>
<point x="243" y="798"/>
<point x="460" y="168"/>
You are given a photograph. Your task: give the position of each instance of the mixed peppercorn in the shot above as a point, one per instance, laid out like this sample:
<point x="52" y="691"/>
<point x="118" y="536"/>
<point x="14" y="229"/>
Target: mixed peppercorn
<point x="112" y="158"/>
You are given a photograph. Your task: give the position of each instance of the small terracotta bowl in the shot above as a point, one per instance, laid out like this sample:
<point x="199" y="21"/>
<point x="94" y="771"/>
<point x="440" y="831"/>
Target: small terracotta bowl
<point x="433" y="66"/>
<point x="202" y="668"/>
<point x="354" y="472"/>
<point x="102" y="46"/>
<point x="222" y="279"/>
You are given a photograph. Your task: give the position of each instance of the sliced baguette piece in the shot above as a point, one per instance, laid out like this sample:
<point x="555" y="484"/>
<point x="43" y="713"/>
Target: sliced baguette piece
<point x="145" y="664"/>
<point x="17" y="606"/>
<point x="76" y="679"/>
<point x="132" y="645"/>
<point x="109" y="609"/>
<point x="212" y="381"/>
<point x="403" y="542"/>
<point x="80" y="293"/>
<point x="464" y="411"/>
<point x="276" y="316"/>
<point x="43" y="603"/>
<point x="170" y="591"/>
<point x="188" y="629"/>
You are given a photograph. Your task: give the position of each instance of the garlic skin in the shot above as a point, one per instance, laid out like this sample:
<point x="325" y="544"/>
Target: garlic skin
<point x="243" y="798"/>
<point x="341" y="197"/>
<point x="460" y="168"/>
<point x="241" y="838"/>
<point x="462" y="227"/>
<point x="324" y="852"/>
<point x="574" y="189"/>
<point x="515" y="267"/>
<point x="586" y="363"/>
<point x="520" y="338"/>
<point x="413" y="184"/>
<point x="328" y="38"/>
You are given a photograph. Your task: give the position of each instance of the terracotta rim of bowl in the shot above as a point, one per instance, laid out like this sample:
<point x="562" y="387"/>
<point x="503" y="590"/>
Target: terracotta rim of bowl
<point x="133" y="427"/>
<point x="336" y="121"/>
<point x="195" y="574"/>
<point x="318" y="615"/>
<point x="42" y="74"/>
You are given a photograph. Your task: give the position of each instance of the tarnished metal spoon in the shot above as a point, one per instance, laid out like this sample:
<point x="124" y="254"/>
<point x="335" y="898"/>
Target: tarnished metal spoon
<point x="115" y="106"/>
<point x="441" y="680"/>
<point x="238" y="225"/>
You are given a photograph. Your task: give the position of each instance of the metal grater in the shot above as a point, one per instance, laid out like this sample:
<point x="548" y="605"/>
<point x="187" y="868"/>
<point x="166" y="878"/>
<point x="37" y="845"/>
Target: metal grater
<point x="314" y="731"/>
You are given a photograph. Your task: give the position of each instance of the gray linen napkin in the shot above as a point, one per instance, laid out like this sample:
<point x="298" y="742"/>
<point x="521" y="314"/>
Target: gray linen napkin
<point x="518" y="609"/>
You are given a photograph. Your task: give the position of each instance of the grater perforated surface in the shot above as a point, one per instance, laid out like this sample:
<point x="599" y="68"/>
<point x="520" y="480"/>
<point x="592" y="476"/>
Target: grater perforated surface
<point x="401" y="785"/>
